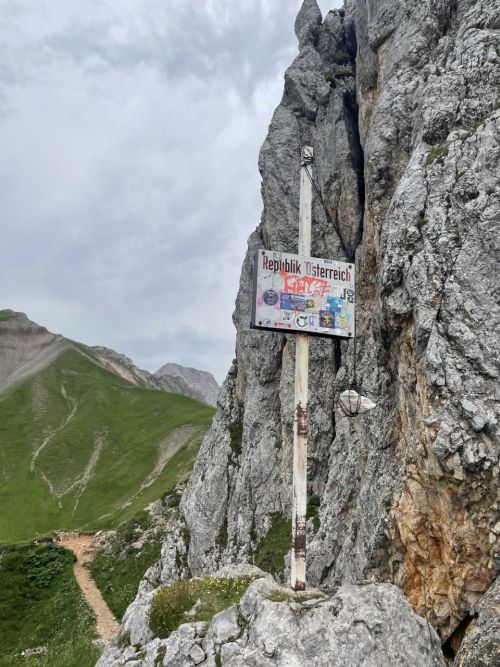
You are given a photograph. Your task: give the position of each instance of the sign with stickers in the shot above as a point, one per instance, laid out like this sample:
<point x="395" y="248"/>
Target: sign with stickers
<point x="303" y="294"/>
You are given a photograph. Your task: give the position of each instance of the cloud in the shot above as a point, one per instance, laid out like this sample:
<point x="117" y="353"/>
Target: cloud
<point x="129" y="183"/>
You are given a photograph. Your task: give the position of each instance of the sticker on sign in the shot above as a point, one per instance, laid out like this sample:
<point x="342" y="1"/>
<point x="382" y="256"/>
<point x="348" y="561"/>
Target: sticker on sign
<point x="307" y="294"/>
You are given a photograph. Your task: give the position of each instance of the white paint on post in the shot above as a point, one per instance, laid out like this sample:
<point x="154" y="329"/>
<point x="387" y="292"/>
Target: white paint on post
<point x="300" y="430"/>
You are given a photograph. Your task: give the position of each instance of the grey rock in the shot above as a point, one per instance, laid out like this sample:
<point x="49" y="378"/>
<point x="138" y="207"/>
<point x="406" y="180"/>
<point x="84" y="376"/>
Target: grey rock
<point x="224" y="628"/>
<point x="197" y="654"/>
<point x="181" y="644"/>
<point x="370" y="625"/>
<point x="308" y="22"/>
<point x="191" y="382"/>
<point x="481" y="644"/>
<point x="26" y="348"/>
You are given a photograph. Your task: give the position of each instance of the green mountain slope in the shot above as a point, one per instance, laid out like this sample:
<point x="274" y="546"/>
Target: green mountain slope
<point x="82" y="448"/>
<point x="42" y="605"/>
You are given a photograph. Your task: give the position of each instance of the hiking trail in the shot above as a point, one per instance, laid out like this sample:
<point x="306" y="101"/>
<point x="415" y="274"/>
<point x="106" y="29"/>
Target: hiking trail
<point x="80" y="544"/>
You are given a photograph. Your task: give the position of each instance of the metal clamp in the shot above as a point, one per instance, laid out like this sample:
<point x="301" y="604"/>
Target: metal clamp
<point x="306" y="156"/>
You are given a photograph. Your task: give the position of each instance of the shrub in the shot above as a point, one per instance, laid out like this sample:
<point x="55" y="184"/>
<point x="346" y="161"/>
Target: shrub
<point x="340" y="57"/>
<point x="236" y="433"/>
<point x="45" y="563"/>
<point x="437" y="153"/>
<point x="273" y="547"/>
<point x="169" y="606"/>
<point x="313" y="504"/>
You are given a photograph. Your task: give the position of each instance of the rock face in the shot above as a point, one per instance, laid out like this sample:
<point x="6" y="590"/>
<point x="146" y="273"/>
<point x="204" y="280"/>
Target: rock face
<point x="123" y="366"/>
<point x="191" y="382"/>
<point x="481" y="645"/>
<point x="400" y="102"/>
<point x="271" y="627"/>
<point x="25" y="348"/>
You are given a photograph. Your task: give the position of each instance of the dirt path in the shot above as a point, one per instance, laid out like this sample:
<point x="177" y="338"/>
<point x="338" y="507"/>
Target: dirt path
<point x="79" y="544"/>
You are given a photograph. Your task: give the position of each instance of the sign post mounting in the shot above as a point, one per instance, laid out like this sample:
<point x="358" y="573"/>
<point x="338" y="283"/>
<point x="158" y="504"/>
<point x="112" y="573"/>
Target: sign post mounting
<point x="300" y="420"/>
<point x="302" y="295"/>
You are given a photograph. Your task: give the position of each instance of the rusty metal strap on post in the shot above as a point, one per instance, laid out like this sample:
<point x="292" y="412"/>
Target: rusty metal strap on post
<point x="302" y="421"/>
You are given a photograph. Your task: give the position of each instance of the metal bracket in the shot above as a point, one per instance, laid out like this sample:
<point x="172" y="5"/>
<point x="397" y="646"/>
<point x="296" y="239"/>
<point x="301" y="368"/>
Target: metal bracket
<point x="306" y="156"/>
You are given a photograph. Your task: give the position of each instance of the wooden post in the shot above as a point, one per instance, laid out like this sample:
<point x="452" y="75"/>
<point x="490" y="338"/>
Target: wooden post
<point x="300" y="424"/>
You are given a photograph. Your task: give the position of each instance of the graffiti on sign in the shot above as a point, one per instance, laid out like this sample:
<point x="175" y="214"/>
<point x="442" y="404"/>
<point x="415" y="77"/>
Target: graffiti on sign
<point x="306" y="294"/>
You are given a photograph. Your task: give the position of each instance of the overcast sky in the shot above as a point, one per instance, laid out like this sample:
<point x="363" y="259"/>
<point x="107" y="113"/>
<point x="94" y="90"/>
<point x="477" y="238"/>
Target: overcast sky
<point x="129" y="134"/>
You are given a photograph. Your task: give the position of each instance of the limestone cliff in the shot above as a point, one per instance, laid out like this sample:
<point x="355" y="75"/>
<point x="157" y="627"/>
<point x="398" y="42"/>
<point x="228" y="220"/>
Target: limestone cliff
<point x="400" y="102"/>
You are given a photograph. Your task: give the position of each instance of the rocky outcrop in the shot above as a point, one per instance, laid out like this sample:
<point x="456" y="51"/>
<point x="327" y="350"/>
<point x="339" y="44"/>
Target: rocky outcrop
<point x="25" y="348"/>
<point x="191" y="382"/>
<point x="123" y="366"/>
<point x="400" y="102"/>
<point x="271" y="626"/>
<point x="480" y="647"/>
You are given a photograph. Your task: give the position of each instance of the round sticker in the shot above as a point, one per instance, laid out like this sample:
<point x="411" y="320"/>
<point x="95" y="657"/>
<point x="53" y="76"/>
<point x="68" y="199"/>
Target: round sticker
<point x="270" y="297"/>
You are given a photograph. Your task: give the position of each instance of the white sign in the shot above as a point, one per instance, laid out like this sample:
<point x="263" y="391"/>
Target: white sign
<point x="293" y="293"/>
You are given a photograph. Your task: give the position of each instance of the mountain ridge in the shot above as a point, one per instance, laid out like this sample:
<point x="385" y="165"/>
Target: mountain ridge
<point x="34" y="355"/>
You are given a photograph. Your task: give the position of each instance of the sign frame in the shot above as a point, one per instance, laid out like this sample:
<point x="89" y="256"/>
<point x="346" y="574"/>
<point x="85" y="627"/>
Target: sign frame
<point x="282" y="257"/>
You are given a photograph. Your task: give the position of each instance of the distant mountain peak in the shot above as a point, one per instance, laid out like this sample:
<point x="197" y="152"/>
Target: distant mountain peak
<point x="201" y="384"/>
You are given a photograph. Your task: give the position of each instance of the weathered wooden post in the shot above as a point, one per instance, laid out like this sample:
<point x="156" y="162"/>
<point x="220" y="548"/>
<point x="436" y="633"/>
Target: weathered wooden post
<point x="305" y="296"/>
<point x="298" y="565"/>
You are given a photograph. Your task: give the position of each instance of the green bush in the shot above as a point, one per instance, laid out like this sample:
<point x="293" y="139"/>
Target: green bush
<point x="340" y="57"/>
<point x="274" y="546"/>
<point x="169" y="606"/>
<point x="313" y="504"/>
<point x="42" y="605"/>
<point x="438" y="153"/>
<point x="236" y="433"/>
<point x="45" y="563"/>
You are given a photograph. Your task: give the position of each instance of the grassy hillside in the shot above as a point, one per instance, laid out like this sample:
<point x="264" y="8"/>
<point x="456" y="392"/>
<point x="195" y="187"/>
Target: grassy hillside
<point x="81" y="448"/>
<point x="41" y="605"/>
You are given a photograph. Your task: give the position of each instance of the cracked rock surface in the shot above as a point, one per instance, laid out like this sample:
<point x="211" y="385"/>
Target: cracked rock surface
<point x="271" y="626"/>
<point x="481" y="645"/>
